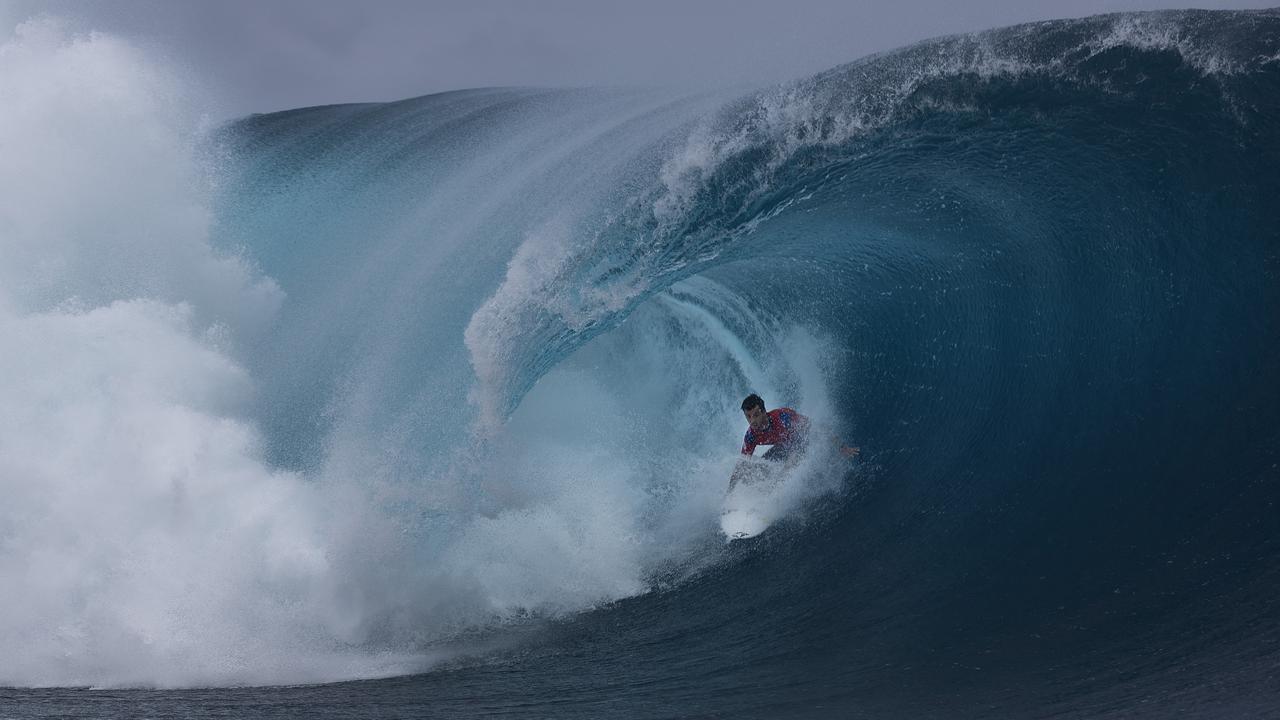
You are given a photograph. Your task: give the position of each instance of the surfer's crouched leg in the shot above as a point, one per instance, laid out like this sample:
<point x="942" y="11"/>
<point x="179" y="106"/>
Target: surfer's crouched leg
<point x="781" y="453"/>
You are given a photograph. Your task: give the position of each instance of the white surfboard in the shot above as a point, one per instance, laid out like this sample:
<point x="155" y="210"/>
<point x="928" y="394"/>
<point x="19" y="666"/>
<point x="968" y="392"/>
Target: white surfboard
<point x="739" y="524"/>
<point x="753" y="503"/>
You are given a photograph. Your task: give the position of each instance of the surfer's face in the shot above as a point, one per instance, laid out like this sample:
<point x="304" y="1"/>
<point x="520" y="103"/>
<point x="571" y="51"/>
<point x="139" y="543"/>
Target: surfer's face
<point x="757" y="418"/>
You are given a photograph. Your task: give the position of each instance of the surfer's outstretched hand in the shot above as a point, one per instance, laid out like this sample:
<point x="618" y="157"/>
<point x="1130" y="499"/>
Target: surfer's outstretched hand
<point x="850" y="452"/>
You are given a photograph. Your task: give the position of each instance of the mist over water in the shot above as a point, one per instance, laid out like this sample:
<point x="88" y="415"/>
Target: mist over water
<point x="145" y="539"/>
<point x="149" y="538"/>
<point x="451" y="384"/>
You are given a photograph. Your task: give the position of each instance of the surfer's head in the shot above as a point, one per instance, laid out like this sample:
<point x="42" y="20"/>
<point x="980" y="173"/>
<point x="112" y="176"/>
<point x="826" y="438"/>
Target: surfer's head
<point x="753" y="408"/>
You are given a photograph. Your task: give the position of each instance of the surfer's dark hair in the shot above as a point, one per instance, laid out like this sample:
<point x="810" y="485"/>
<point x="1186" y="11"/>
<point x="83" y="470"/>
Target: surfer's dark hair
<point x="753" y="400"/>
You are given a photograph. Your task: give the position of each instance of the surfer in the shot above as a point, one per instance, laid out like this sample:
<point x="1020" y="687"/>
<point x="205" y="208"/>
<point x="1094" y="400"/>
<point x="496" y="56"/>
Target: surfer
<point x="783" y="428"/>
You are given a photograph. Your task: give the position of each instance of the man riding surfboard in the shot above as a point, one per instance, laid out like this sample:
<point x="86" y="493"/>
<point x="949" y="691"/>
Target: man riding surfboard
<point x="786" y="430"/>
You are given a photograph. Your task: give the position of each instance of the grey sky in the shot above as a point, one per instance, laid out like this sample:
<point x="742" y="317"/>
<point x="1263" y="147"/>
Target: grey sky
<point x="264" y="55"/>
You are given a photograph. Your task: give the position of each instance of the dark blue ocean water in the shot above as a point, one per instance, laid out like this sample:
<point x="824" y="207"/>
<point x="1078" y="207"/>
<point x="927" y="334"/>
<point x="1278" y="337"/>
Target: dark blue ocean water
<point x="1033" y="272"/>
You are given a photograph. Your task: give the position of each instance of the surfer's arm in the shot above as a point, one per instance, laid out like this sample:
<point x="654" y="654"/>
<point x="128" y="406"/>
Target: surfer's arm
<point x="806" y="426"/>
<point x="845" y="450"/>
<point x="848" y="451"/>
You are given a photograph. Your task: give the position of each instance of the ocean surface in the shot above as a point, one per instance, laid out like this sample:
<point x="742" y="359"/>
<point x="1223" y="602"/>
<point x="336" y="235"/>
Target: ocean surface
<point x="427" y="408"/>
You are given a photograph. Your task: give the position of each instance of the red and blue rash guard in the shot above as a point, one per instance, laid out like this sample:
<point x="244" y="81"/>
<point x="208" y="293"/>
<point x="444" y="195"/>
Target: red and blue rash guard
<point x="786" y="427"/>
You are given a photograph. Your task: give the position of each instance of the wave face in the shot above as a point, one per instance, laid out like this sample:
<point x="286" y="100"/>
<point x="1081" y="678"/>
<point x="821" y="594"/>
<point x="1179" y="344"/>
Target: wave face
<point x="488" y="349"/>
